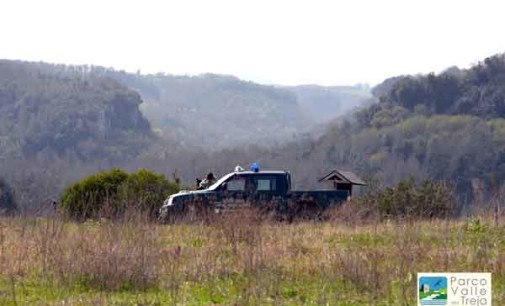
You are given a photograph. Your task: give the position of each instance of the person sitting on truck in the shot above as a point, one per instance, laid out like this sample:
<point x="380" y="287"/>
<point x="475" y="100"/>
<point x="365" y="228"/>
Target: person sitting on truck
<point x="208" y="181"/>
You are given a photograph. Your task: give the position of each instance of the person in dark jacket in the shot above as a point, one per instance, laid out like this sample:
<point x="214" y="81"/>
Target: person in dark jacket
<point x="208" y="181"/>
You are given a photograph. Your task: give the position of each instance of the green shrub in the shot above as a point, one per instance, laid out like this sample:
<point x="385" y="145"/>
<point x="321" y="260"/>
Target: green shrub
<point x="426" y="199"/>
<point x="146" y="190"/>
<point x="89" y="196"/>
<point x="110" y="193"/>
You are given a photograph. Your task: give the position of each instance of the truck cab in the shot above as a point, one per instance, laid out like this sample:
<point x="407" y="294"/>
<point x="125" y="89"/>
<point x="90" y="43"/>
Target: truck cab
<point x="250" y="182"/>
<point x="234" y="187"/>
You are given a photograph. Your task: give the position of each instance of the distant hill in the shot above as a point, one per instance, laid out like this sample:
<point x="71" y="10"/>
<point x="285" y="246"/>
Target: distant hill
<point x="67" y="108"/>
<point x="68" y="112"/>
<point x="219" y="110"/>
<point x="325" y="103"/>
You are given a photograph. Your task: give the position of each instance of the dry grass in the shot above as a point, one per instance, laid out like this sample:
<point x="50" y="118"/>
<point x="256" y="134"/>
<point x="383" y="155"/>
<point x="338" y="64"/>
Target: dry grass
<point x="239" y="260"/>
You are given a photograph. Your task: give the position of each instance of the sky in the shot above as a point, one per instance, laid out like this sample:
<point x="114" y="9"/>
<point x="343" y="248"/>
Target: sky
<point x="271" y="42"/>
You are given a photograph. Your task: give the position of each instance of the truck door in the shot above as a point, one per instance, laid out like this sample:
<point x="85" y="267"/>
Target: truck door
<point x="267" y="187"/>
<point x="236" y="193"/>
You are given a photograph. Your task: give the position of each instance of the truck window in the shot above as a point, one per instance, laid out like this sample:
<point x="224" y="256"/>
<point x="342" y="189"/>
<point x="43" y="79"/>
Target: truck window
<point x="266" y="184"/>
<point x="236" y="184"/>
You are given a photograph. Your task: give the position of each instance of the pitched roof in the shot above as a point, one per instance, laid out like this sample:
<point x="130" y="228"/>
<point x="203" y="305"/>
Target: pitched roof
<point x="343" y="176"/>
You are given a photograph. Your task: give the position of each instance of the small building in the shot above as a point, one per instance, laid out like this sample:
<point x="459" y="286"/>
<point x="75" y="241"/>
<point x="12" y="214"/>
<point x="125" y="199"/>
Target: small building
<point x="343" y="180"/>
<point x="425" y="288"/>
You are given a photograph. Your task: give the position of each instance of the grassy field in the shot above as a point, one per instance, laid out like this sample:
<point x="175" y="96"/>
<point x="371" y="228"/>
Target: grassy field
<point x="236" y="261"/>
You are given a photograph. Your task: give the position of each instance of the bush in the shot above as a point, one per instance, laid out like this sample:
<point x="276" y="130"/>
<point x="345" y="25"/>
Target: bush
<point x="111" y="193"/>
<point x="146" y="190"/>
<point x="427" y="199"/>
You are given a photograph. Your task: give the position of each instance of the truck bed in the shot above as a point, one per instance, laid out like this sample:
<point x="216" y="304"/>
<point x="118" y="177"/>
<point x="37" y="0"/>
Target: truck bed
<point x="323" y="198"/>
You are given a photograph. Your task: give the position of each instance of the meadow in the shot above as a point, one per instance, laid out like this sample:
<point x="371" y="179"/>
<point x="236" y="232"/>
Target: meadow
<point x="238" y="260"/>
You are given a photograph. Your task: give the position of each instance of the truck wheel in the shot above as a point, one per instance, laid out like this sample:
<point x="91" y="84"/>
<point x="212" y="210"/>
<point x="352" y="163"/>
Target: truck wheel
<point x="167" y="218"/>
<point x="195" y="211"/>
<point x="308" y="210"/>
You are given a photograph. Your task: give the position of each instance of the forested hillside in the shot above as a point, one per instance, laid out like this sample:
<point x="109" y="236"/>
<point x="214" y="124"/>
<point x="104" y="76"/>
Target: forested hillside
<point x="448" y="126"/>
<point x="479" y="91"/>
<point x="221" y="111"/>
<point x="76" y="109"/>
<point x="67" y="112"/>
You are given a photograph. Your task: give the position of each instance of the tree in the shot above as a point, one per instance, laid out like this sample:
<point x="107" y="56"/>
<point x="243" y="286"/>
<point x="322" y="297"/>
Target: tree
<point x="7" y="200"/>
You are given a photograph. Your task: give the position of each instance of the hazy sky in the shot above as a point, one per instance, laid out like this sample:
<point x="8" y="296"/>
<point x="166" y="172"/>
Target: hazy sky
<point x="283" y="42"/>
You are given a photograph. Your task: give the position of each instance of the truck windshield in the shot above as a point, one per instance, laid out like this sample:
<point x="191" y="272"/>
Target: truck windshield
<point x="220" y="181"/>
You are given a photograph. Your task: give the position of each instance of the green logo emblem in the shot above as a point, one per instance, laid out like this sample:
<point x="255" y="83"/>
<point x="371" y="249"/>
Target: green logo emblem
<point x="432" y="290"/>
